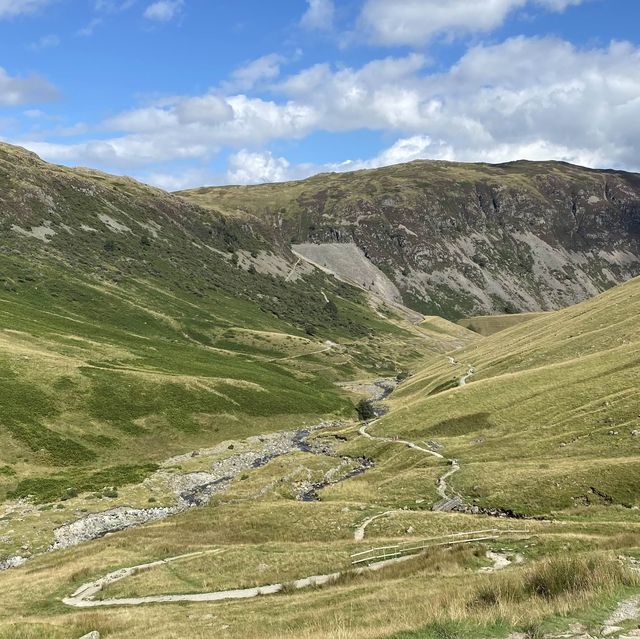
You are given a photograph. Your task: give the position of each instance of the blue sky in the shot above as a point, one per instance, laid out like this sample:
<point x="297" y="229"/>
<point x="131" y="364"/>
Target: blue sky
<point x="182" y="93"/>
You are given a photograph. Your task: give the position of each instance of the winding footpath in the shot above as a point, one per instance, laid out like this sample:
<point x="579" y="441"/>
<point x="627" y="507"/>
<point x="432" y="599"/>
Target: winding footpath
<point x="447" y="501"/>
<point x="468" y="375"/>
<point x="442" y="486"/>
<point x="363" y="431"/>
<point x="358" y="535"/>
<point x="83" y="597"/>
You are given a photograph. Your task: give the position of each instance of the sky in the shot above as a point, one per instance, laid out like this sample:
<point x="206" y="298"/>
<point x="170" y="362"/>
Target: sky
<point x="184" y="93"/>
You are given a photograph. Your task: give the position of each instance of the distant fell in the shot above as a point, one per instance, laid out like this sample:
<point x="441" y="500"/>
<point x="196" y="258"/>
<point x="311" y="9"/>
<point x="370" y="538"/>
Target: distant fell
<point x="462" y="239"/>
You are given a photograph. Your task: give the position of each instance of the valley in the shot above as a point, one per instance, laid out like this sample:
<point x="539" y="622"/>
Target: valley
<point x="219" y="421"/>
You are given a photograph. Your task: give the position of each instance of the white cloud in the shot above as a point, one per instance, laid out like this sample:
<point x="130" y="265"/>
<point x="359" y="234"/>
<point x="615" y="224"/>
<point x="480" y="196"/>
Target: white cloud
<point x="13" y="8"/>
<point x="164" y="10"/>
<point x="45" y="42"/>
<point x="90" y="27"/>
<point x="15" y="90"/>
<point x="113" y="6"/>
<point x="246" y="167"/>
<point x="381" y="94"/>
<point x="319" y="15"/>
<point x="524" y="98"/>
<point x="179" y="180"/>
<point x="415" y="22"/>
<point x="262" y="69"/>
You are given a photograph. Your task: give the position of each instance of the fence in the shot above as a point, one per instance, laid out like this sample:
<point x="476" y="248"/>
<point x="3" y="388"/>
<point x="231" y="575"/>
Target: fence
<point x="382" y="553"/>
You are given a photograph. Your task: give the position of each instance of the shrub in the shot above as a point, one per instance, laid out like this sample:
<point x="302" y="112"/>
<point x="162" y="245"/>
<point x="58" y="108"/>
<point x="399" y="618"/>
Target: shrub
<point x="365" y="410"/>
<point x="70" y="493"/>
<point x="553" y="578"/>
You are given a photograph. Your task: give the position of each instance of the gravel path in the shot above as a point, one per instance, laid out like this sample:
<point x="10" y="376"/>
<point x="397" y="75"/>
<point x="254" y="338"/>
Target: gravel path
<point x="83" y="596"/>
<point x="470" y="373"/>
<point x="358" y="535"/>
<point x="363" y="431"/>
<point x="442" y="485"/>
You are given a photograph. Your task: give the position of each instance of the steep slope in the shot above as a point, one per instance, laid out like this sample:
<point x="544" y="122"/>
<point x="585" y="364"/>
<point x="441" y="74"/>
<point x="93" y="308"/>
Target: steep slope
<point x="462" y="239"/>
<point x="134" y="326"/>
<point x="565" y="378"/>
<point x="489" y="324"/>
<point x="550" y="418"/>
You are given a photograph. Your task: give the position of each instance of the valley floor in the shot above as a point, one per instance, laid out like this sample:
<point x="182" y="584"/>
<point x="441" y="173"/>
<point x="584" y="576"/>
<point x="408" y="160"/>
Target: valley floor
<point x="285" y="515"/>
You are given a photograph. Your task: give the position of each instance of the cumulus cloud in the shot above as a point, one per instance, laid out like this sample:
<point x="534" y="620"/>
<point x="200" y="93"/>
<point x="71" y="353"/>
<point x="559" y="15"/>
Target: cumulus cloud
<point x="178" y="180"/>
<point x="536" y="98"/>
<point x="15" y="90"/>
<point x="164" y="10"/>
<point x="415" y="22"/>
<point x="13" y="8"/>
<point x="266" y="68"/>
<point x="246" y="167"/>
<point x="319" y="15"/>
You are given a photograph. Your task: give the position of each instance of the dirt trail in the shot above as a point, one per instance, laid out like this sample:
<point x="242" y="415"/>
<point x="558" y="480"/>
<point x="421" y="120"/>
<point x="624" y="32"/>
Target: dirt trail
<point x="83" y="597"/>
<point x="363" y="431"/>
<point x="442" y="486"/>
<point x="358" y="535"/>
<point x="629" y="608"/>
<point x="468" y="375"/>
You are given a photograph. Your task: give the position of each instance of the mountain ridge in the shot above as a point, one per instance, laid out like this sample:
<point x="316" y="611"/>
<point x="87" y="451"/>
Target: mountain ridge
<point x="460" y="238"/>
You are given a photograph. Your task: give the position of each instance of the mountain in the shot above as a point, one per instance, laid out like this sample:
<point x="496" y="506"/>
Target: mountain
<point x="135" y="325"/>
<point x="202" y="422"/>
<point x="455" y="239"/>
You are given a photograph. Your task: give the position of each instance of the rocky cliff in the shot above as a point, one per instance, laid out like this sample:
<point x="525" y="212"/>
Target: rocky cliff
<point x="462" y="239"/>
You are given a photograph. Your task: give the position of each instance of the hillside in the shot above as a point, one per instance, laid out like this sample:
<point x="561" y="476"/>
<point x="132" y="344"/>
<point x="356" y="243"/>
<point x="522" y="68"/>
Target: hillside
<point x="489" y="324"/>
<point x="459" y="239"/>
<point x="135" y="326"/>
<point x="544" y="428"/>
<point x="180" y="452"/>
<point x="550" y="419"/>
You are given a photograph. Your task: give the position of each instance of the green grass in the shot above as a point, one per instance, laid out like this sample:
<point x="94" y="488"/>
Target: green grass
<point x="547" y="421"/>
<point x="58" y="486"/>
<point x="490" y="324"/>
<point x="457" y="630"/>
<point x="120" y="350"/>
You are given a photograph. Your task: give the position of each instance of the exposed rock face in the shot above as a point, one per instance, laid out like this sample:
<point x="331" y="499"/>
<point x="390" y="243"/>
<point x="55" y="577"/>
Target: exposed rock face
<point x="462" y="238"/>
<point x="349" y="263"/>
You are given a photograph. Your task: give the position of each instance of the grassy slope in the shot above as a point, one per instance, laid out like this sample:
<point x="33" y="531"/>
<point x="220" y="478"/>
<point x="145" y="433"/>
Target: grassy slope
<point x="126" y="341"/>
<point x="557" y="379"/>
<point x="91" y="351"/>
<point x="273" y="536"/>
<point x="489" y="324"/>
<point x="547" y="421"/>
